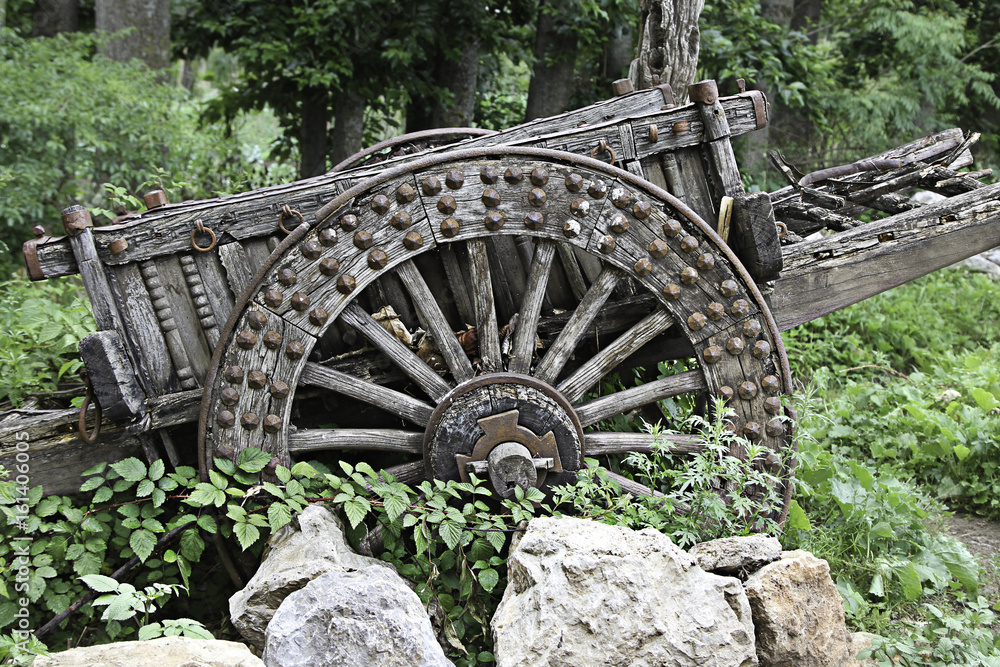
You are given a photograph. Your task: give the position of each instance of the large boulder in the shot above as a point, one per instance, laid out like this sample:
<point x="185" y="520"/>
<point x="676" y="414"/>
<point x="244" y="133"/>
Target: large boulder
<point x="368" y="618"/>
<point x="295" y="555"/>
<point x="798" y="614"/>
<point x="162" y="652"/>
<point x="736" y="556"/>
<point x="586" y="593"/>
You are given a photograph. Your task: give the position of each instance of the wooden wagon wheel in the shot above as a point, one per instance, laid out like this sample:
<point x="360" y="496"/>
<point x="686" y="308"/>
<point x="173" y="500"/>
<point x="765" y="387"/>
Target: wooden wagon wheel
<point x="437" y="134"/>
<point x="517" y="404"/>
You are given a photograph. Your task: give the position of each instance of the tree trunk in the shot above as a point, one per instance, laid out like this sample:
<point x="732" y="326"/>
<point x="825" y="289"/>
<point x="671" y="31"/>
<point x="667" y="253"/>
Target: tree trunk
<point x="149" y="42"/>
<point x="55" y="16"/>
<point x="348" y="126"/>
<point x="551" y="85"/>
<point x="459" y="79"/>
<point x="315" y="118"/>
<point x="668" y="45"/>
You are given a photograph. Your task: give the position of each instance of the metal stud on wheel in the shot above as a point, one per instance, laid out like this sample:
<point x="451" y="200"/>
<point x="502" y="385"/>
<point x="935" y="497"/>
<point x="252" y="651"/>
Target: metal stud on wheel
<point x="536" y="274"/>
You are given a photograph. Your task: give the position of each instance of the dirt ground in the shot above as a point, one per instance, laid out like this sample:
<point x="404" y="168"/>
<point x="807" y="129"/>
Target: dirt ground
<point x="982" y="538"/>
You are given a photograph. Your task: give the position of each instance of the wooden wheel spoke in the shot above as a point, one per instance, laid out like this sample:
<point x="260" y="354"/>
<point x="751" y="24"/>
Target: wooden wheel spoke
<point x="588" y="309"/>
<point x="392" y="347"/>
<point x="585" y="377"/>
<point x="531" y="307"/>
<point x="409" y="473"/>
<point x="390" y="400"/>
<point x="609" y="442"/>
<point x="486" y="314"/>
<point x="431" y="316"/>
<point x="594" y="411"/>
<point x="374" y="440"/>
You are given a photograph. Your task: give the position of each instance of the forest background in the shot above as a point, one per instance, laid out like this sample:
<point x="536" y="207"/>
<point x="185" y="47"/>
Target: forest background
<point x="900" y="394"/>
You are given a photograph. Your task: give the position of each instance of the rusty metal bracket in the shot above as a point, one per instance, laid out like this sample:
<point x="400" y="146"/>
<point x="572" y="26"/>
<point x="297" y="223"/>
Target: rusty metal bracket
<point x="30" y="251"/>
<point x="75" y="219"/>
<point x="81" y="425"/>
<point x="289" y="212"/>
<point x="200" y="228"/>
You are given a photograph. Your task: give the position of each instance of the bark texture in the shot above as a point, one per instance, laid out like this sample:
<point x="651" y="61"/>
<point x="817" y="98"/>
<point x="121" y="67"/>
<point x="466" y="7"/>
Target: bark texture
<point x="348" y="125"/>
<point x="54" y="16"/>
<point x="551" y="85"/>
<point x="459" y="79"/>
<point x="149" y="41"/>
<point x="668" y="45"/>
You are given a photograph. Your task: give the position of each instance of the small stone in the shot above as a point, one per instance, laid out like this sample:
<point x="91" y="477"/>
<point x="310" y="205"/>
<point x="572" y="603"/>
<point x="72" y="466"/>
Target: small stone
<point x="736" y="556"/>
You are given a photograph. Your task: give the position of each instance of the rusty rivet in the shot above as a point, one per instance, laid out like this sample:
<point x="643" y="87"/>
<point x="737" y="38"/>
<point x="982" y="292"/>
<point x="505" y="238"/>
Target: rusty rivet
<point x="736" y="345"/>
<point x="300" y="301"/>
<point x="539" y="176"/>
<point x="489" y="175"/>
<point x="230" y="396"/>
<point x="295" y="350"/>
<point x="747" y="390"/>
<point x="400" y="220"/>
<point x="346" y="284"/>
<point x="431" y="185"/>
<point x="318" y="316"/>
<point x="447" y="205"/>
<point x="273" y="298"/>
<point x="233" y="374"/>
<point x="574" y="182"/>
<point x="729" y="287"/>
<point x="641" y="210"/>
<point x="155" y="199"/>
<point x="272" y="423"/>
<point x="490" y="197"/>
<point x="697" y="321"/>
<point x="287" y="277"/>
<point x="449" y="227"/>
<point x="363" y="240"/>
<point x="672" y="228"/>
<point x="377" y="259"/>
<point x="726" y="393"/>
<point x="256" y="319"/>
<point x="716" y="310"/>
<point x="256" y="380"/>
<point x="118" y="246"/>
<point x="246" y="339"/>
<point x="741" y="308"/>
<point x="706" y="261"/>
<point x="597" y="189"/>
<point x="536" y="197"/>
<point x="272" y="340"/>
<point x="226" y="419"/>
<point x="405" y="193"/>
<point x="534" y="220"/>
<point x="689" y="276"/>
<point x="606" y="244"/>
<point x="249" y="421"/>
<point x="681" y="127"/>
<point x="349" y="222"/>
<point x="770" y="383"/>
<point x="672" y="292"/>
<point x="643" y="267"/>
<point x="621" y="197"/>
<point x="653" y="134"/>
<point x="619" y="223"/>
<point x="658" y="249"/>
<point x="772" y="461"/>
<point x="774" y="428"/>
<point x="279" y="389"/>
<point x="225" y="450"/>
<point x="513" y="175"/>
<point x="689" y="244"/>
<point x="772" y="404"/>
<point x="752" y="430"/>
<point x="412" y="240"/>
<point x="761" y="349"/>
<point x="494" y="220"/>
<point x="712" y="354"/>
<point x="380" y="204"/>
<point x="571" y="229"/>
<point x="579" y="207"/>
<point x="751" y="328"/>
<point x="38" y="231"/>
<point x="329" y="266"/>
<point x="327" y="236"/>
<point x="454" y="179"/>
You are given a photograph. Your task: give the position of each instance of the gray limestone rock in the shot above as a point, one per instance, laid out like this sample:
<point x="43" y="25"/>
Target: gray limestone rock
<point x="736" y="556"/>
<point x="161" y="652"/>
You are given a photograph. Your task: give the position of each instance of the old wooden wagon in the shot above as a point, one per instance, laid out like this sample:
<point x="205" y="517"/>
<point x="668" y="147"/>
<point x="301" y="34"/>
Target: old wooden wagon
<point x="456" y="309"/>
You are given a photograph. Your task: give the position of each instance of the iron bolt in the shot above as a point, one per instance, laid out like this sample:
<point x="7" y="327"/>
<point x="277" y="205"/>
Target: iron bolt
<point x="300" y="301"/>
<point x="681" y="127"/>
<point x="606" y="244"/>
<point x="311" y="250"/>
<point x="490" y="197"/>
<point x="706" y="261"/>
<point x="405" y="193"/>
<point x="513" y="175"/>
<point x="619" y="223"/>
<point x="380" y="204"/>
<point x="653" y="134"/>
<point x="226" y="419"/>
<point x="272" y="340"/>
<point x="689" y="276"/>
<point x="233" y="375"/>
<point x="716" y="310"/>
<point x="775" y="428"/>
<point x="489" y="175"/>
<point x="246" y="339"/>
<point x="658" y="249"/>
<point x="643" y="267"/>
<point x="117" y="246"/>
<point x="689" y="244"/>
<point x="728" y="287"/>
<point x="494" y="220"/>
<point x="621" y="197"/>
<point x="279" y="389"/>
<point x="273" y="298"/>
<point x="672" y="292"/>
<point x="726" y="393"/>
<point x="256" y="380"/>
<point x="449" y="228"/>
<point x="412" y="240"/>
<point x="579" y="207"/>
<point x="672" y="228"/>
<point x="712" y="354"/>
<point x="295" y="350"/>
<point x="454" y="179"/>
<point x="230" y="396"/>
<point x="363" y="240"/>
<point x="272" y="423"/>
<point x="155" y="199"/>
<point x="287" y="277"/>
<point x="346" y="284"/>
<point x="536" y="197"/>
<point x="574" y="182"/>
<point x="377" y="259"/>
<point x="539" y="176"/>
<point x="752" y="430"/>
<point x="597" y="189"/>
<point x="747" y="390"/>
<point x="772" y="461"/>
<point x="641" y="210"/>
<point x="431" y="186"/>
<point x="735" y="345"/>
<point x="328" y="236"/>
<point x="571" y="229"/>
<point x="329" y="266"/>
<point x="761" y="349"/>
<point x="401" y="220"/>
<point x="697" y="321"/>
<point x="447" y="205"/>
<point x="534" y="220"/>
<point x="770" y="383"/>
<point x="249" y="421"/>
<point x="349" y="222"/>
<point x="751" y="328"/>
<point x="318" y="316"/>
<point x="772" y="404"/>
<point x="741" y="308"/>
<point x="256" y="319"/>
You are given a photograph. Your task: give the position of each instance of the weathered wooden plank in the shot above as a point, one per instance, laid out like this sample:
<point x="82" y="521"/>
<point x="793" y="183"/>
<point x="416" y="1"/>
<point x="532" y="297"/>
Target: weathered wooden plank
<point x="621" y="402"/>
<point x="458" y="284"/>
<point x="142" y="331"/>
<point x="410" y="474"/>
<point x="572" y="270"/>
<point x="116" y="387"/>
<point x="486" y="314"/>
<point x="238" y="268"/>
<point x="213" y="277"/>
<point x="755" y="237"/>
<point x="185" y="314"/>
<point x="163" y="308"/>
<point x="198" y="292"/>
<point x="399" y="404"/>
<point x="531" y="307"/>
<point x="355" y="439"/>
<point x="432" y="383"/>
<point x="601" y="443"/>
